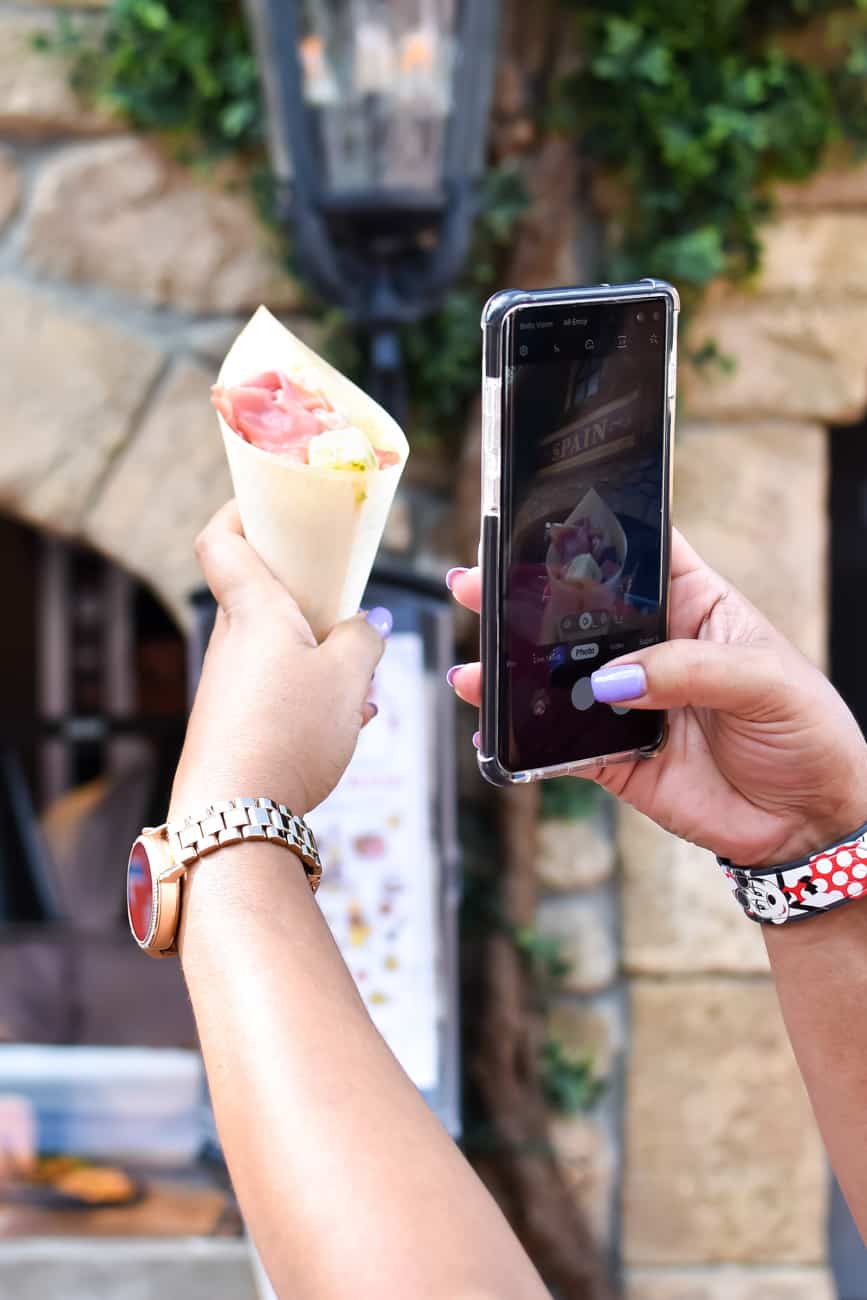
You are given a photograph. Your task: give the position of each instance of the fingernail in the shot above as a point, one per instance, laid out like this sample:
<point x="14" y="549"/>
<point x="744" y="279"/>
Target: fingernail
<point x="380" y="619"/>
<point x="373" y="708"/>
<point x="477" y="739"/>
<point x="450" y="675"/>
<point x="622" y="682"/>
<point x="452" y="574"/>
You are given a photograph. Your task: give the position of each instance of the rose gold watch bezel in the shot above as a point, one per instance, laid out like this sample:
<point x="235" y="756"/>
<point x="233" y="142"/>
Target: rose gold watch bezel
<point x="167" y="884"/>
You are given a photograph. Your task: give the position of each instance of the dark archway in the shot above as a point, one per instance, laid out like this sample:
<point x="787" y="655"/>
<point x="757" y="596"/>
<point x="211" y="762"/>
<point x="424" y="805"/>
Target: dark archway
<point x="92" y="712"/>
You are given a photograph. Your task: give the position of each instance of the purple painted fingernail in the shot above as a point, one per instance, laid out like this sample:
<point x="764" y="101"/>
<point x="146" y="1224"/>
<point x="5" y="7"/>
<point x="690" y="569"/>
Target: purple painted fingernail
<point x="620" y="682"/>
<point x="380" y="619"/>
<point x="374" y="709"/>
<point x="452" y="574"/>
<point x="450" y="675"/>
<point x="477" y="739"/>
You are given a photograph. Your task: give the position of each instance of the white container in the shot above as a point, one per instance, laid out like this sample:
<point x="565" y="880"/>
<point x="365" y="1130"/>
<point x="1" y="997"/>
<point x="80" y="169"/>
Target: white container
<point x="129" y="1103"/>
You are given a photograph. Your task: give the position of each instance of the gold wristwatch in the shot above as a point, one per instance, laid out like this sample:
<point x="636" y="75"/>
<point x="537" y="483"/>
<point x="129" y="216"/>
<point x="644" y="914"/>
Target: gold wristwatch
<point x="162" y="855"/>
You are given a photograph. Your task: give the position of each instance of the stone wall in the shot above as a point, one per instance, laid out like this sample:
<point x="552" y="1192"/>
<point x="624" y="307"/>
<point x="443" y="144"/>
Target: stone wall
<point x="122" y="280"/>
<point x="724" y="1179"/>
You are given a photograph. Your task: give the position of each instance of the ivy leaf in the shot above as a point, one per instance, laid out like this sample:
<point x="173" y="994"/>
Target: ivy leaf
<point x="622" y="37"/>
<point x="236" y="118"/>
<point x="569" y="1084"/>
<point x="152" y="15"/>
<point x="697" y="256"/>
<point x="564" y="797"/>
<point x="544" y="953"/>
<point x="655" y="65"/>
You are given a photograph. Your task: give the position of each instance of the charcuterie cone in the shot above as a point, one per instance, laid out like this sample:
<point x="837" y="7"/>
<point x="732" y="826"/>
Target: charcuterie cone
<point x="317" y="527"/>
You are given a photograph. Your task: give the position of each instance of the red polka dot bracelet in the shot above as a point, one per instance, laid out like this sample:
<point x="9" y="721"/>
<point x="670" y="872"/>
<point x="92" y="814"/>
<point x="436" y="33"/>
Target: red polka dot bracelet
<point x="795" y="891"/>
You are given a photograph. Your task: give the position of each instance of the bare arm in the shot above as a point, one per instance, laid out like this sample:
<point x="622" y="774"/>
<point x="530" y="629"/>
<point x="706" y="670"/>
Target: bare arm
<point x="348" y="1183"/>
<point x="820" y="968"/>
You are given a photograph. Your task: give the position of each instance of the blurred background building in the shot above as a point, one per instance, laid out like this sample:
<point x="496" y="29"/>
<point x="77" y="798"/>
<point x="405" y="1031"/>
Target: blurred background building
<point x="124" y="275"/>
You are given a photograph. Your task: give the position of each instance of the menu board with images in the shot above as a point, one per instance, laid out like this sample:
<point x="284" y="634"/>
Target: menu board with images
<point x="379" y="887"/>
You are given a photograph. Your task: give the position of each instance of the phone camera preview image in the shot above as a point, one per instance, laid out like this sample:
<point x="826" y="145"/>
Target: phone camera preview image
<point x="583" y="505"/>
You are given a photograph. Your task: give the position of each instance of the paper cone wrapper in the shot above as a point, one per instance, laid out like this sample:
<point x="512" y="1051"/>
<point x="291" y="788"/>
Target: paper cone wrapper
<point x="317" y="530"/>
<point x="572" y="598"/>
<point x="604" y="520"/>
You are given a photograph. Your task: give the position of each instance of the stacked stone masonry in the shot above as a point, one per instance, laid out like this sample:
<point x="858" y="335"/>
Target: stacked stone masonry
<point x="577" y="909"/>
<point x="122" y="279"/>
<point x="725" y="1181"/>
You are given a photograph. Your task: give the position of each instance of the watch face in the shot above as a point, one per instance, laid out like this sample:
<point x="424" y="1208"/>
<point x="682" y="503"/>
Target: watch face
<point x="140" y="892"/>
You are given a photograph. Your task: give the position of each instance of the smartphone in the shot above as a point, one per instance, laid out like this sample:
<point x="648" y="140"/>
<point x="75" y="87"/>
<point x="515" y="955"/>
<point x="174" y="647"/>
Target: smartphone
<point x="577" y="426"/>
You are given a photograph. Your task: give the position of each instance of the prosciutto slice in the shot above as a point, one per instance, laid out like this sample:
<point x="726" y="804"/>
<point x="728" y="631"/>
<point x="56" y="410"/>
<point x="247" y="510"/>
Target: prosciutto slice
<point x="277" y="415"/>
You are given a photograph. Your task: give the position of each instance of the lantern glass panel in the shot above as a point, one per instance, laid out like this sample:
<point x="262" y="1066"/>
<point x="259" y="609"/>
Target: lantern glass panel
<point x="378" y="84"/>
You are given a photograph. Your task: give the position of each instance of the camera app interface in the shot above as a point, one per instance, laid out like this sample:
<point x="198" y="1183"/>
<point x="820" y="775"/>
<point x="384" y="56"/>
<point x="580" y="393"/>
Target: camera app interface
<point x="582" y="513"/>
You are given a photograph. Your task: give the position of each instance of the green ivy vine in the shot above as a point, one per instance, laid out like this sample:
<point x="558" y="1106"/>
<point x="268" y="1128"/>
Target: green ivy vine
<point x="694" y="107"/>
<point x="697" y="107"/>
<point x="184" y="68"/>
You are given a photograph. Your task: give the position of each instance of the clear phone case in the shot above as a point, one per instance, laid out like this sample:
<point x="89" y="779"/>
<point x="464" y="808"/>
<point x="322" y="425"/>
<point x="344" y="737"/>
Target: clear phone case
<point x="494" y="320"/>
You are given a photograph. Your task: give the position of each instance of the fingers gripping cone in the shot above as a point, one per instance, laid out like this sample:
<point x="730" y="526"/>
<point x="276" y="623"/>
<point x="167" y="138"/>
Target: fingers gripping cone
<point x="318" y="530"/>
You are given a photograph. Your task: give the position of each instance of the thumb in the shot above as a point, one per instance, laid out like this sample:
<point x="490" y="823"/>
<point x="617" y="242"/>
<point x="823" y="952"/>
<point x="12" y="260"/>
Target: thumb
<point x="354" y="648"/>
<point x="747" y="680"/>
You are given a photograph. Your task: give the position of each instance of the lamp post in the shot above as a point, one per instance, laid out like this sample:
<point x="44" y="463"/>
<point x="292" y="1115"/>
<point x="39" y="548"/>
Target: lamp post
<point x="376" y="119"/>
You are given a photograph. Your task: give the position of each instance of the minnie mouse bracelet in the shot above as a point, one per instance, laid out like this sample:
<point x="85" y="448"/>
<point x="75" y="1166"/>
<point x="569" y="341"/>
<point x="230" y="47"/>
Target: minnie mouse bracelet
<point x="805" y="888"/>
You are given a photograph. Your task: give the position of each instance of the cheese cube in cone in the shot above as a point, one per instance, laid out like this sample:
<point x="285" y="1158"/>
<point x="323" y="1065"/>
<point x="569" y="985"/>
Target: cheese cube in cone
<point x="315" y="508"/>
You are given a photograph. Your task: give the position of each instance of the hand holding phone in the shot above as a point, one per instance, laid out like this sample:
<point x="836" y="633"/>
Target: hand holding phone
<point x="578" y="414"/>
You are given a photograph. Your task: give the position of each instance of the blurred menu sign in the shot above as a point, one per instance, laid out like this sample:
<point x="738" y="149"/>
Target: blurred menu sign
<point x="379" y="887"/>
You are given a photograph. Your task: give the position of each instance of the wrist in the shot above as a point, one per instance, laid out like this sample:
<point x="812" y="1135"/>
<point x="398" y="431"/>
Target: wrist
<point x="236" y="896"/>
<point x="193" y="793"/>
<point x="835" y="817"/>
<point x="832" y="825"/>
<point x="832" y="875"/>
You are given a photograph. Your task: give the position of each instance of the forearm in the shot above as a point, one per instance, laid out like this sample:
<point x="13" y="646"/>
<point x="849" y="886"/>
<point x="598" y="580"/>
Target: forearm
<point x="343" y="1174"/>
<point x="820" y="968"/>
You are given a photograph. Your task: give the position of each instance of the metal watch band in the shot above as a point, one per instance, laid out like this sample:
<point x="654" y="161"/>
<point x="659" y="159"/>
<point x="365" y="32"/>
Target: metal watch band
<point x="232" y="821"/>
<point x="795" y="891"/>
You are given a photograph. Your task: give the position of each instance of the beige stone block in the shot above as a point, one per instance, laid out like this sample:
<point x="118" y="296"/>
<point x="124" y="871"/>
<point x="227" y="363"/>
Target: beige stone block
<point x="574" y="853"/>
<point x="73" y="386"/>
<point x="591" y="1030"/>
<point x="842" y="185"/>
<point x="35" y="96"/>
<point x="800" y="359"/>
<point x="751" y="499"/>
<point x="163" y="489"/>
<point x="723" y="1161"/>
<point x="9" y="188"/>
<point x="679" y="916"/>
<point x="586" y="1157"/>
<point x="730" y="1284"/>
<point x="119" y="213"/>
<point x="584" y="927"/>
<point x="815" y="253"/>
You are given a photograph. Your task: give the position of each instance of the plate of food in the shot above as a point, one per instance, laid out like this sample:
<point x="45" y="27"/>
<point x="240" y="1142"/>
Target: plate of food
<point x="65" y="1182"/>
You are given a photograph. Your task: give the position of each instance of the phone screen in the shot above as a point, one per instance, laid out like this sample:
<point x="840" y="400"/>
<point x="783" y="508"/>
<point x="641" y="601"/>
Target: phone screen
<point x="583" y="519"/>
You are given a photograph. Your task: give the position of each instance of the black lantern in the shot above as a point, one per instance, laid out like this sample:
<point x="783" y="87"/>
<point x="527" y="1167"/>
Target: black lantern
<point x="377" y="113"/>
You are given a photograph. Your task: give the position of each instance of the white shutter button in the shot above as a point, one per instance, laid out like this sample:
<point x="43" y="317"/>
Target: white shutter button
<point x="582" y="695"/>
